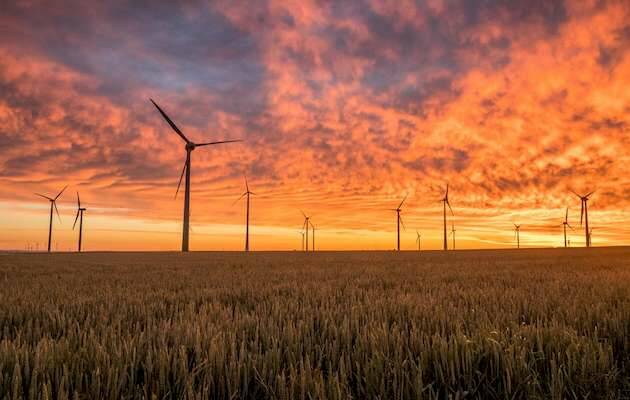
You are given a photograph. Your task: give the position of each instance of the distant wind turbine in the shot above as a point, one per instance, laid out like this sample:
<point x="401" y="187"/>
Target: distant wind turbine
<point x="80" y="218"/>
<point x="418" y="236"/>
<point x="398" y="222"/>
<point x="584" y="215"/>
<point x="517" y="235"/>
<point x="564" y="226"/>
<point x="452" y="233"/>
<point x="590" y="237"/>
<point x="53" y="204"/>
<point x="302" y="233"/>
<point x="190" y="146"/>
<point x="445" y="203"/>
<point x="313" y="238"/>
<point x="305" y="228"/>
<point x="247" y="193"/>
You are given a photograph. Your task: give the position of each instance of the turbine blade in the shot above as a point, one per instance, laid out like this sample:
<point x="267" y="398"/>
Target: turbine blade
<point x="589" y="195"/>
<point x="572" y="191"/>
<point x="78" y="201"/>
<point x="58" y="216"/>
<point x="75" y="219"/>
<point x="171" y="123"/>
<point x="402" y="223"/>
<point x="46" y="197"/>
<point x="582" y="213"/>
<point x="566" y="217"/>
<point x="449" y="207"/>
<point x="303" y="214"/>
<point x="236" y="201"/>
<point x="401" y="203"/>
<point x="180" y="179"/>
<point x="219" y="142"/>
<point x="62" y="190"/>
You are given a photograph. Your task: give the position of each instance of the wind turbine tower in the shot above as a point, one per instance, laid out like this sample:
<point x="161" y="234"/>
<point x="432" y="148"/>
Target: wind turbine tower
<point x="80" y="218"/>
<point x="446" y="203"/>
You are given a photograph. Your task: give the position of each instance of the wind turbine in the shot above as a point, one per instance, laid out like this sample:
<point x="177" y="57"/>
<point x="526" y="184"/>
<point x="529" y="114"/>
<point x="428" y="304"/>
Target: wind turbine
<point x="584" y="215"/>
<point x="446" y="202"/>
<point x="313" y="238"/>
<point x="247" y="193"/>
<point x="53" y="204"/>
<point x="418" y="236"/>
<point x="517" y="235"/>
<point x="564" y="226"/>
<point x="453" y="233"/>
<point x="305" y="227"/>
<point x="590" y="237"/>
<point x="190" y="146"/>
<point x="398" y="222"/>
<point x="302" y="233"/>
<point x="80" y="218"/>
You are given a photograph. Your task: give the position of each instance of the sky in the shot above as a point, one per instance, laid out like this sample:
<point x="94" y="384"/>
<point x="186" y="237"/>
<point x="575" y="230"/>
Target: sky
<point x="344" y="107"/>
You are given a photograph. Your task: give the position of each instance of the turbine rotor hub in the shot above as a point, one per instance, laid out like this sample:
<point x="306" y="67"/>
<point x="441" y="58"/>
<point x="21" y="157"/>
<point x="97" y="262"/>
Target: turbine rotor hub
<point x="190" y="146"/>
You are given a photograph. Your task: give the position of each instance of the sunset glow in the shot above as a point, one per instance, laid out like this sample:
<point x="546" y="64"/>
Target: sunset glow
<point x="344" y="109"/>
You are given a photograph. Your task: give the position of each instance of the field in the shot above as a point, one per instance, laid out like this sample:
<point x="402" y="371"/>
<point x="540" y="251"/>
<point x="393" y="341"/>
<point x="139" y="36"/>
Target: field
<point x="528" y="324"/>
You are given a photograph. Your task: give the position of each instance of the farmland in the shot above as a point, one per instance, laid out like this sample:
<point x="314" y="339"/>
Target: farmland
<point x="469" y="324"/>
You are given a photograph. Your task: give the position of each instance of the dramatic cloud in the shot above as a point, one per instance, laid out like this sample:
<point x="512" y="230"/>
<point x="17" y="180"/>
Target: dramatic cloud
<point x="345" y="107"/>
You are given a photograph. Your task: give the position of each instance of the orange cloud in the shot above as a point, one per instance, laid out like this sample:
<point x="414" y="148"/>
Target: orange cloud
<point x="345" y="108"/>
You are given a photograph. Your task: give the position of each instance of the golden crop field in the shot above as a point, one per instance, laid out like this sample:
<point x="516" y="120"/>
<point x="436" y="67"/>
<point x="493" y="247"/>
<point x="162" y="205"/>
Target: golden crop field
<point x="528" y="324"/>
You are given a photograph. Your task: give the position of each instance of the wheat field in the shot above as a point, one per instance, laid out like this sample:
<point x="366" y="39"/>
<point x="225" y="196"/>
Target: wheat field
<point x="528" y="324"/>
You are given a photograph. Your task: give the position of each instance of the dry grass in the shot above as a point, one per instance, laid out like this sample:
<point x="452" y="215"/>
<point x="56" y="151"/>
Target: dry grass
<point x="495" y="324"/>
